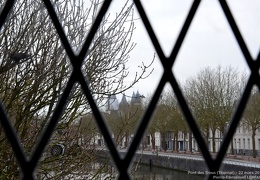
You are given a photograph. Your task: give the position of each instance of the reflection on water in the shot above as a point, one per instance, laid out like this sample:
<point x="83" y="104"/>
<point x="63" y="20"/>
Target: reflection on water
<point x="143" y="173"/>
<point x="101" y="171"/>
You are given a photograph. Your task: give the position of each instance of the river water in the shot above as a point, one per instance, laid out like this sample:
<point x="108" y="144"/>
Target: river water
<point x="143" y="172"/>
<point x="158" y="173"/>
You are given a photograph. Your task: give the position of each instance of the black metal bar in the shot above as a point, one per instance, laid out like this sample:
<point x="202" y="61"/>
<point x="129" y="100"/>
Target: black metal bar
<point x="6" y="10"/>
<point x="144" y="123"/>
<point x="150" y="31"/>
<point x="14" y="141"/>
<point x="53" y="122"/>
<point x="184" y="31"/>
<point x="60" y="31"/>
<point x="191" y="121"/>
<point x="86" y="90"/>
<point x="237" y="33"/>
<point x="253" y="65"/>
<point x="167" y="69"/>
<point x="100" y="121"/>
<point x="94" y="29"/>
<point x="257" y="62"/>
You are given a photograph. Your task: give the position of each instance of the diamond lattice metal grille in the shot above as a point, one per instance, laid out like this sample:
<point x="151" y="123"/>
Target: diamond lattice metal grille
<point x="28" y="166"/>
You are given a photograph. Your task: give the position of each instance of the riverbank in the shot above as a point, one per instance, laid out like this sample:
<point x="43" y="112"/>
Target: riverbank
<point x="192" y="163"/>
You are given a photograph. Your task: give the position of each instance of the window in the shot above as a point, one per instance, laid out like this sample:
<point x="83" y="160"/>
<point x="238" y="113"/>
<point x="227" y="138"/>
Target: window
<point x="248" y="142"/>
<point x="28" y="167"/>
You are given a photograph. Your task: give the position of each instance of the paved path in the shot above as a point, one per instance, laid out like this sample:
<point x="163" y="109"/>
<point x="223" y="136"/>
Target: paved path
<point x="200" y="158"/>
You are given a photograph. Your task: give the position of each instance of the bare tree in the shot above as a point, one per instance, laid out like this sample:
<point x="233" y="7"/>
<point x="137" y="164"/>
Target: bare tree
<point x="176" y="123"/>
<point x="167" y="119"/>
<point x="162" y="120"/>
<point x="152" y="128"/>
<point x="123" y="122"/>
<point x="212" y="95"/>
<point x="251" y="118"/>
<point x="34" y="67"/>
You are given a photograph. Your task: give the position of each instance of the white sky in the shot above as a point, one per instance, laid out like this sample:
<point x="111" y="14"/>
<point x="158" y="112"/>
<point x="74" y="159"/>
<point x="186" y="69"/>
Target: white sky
<point x="209" y="41"/>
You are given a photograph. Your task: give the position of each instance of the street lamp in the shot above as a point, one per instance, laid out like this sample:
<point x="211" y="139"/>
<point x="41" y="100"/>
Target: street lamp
<point x="237" y="148"/>
<point x="172" y="144"/>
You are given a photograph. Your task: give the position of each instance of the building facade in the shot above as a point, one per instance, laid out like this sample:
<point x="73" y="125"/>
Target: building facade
<point x="242" y="142"/>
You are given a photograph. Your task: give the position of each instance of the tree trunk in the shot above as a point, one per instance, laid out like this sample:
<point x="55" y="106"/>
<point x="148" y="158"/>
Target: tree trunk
<point x="184" y="141"/>
<point x="117" y="139"/>
<point x="174" y="144"/>
<point x="126" y="139"/>
<point x="153" y="141"/>
<point x="164" y="141"/>
<point x="190" y="141"/>
<point x="207" y="138"/>
<point x="213" y="140"/>
<point x="176" y="141"/>
<point x="253" y="142"/>
<point x="232" y="147"/>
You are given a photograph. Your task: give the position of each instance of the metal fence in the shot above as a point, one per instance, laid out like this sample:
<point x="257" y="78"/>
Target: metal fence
<point x="28" y="166"/>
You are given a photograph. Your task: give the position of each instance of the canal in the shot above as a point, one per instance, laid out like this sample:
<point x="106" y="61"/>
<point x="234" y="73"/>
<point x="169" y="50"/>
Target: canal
<point x="142" y="172"/>
<point x="158" y="173"/>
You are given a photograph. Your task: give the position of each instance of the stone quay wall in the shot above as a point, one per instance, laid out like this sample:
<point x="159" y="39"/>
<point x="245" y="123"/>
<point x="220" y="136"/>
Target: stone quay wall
<point x="188" y="164"/>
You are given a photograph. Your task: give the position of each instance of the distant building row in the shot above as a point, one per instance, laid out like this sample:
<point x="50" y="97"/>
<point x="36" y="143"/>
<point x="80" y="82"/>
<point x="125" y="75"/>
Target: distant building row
<point x="242" y="140"/>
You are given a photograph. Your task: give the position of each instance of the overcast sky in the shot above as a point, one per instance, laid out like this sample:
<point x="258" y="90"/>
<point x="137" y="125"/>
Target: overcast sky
<point x="209" y="41"/>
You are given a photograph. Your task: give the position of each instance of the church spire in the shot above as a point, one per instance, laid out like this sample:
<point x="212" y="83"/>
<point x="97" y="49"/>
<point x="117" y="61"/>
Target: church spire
<point x="123" y="102"/>
<point x="136" y="98"/>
